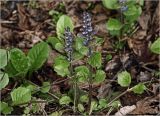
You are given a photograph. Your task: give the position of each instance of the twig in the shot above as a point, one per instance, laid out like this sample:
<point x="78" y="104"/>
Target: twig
<point x="128" y="90"/>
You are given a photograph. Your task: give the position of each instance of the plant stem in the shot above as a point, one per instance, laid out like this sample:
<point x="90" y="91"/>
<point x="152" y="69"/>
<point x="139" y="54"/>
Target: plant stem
<point x="90" y="87"/>
<point x="121" y="30"/>
<point x="75" y="96"/>
<point x="54" y="96"/>
<point x="90" y="81"/>
<point x="74" y="87"/>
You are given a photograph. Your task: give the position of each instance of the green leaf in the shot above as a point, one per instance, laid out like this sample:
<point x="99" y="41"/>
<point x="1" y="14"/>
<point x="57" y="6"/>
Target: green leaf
<point x="11" y="71"/>
<point x="99" y="76"/>
<point x="81" y="107"/>
<point x="59" y="47"/>
<point x="20" y="95"/>
<point x="38" y="55"/>
<point x="114" y="24"/>
<point x="124" y="79"/>
<point x="31" y="87"/>
<point x="116" y="104"/>
<point x="5" y="109"/>
<point x="155" y="46"/>
<point x="4" y="80"/>
<point x="95" y="60"/>
<point x="110" y="4"/>
<point x="61" y="65"/>
<point x="3" y="58"/>
<point x="139" y="89"/>
<point x="19" y="60"/>
<point x="80" y="47"/>
<point x="82" y="72"/>
<point x="109" y="57"/>
<point x="98" y="41"/>
<point x="45" y="87"/>
<point x="84" y="98"/>
<point x="102" y="103"/>
<point x="57" y="113"/>
<point x="65" y="100"/>
<point x="77" y="55"/>
<point x="133" y="12"/>
<point x="93" y="107"/>
<point x="141" y="2"/>
<point x="63" y="22"/>
<point x="55" y="43"/>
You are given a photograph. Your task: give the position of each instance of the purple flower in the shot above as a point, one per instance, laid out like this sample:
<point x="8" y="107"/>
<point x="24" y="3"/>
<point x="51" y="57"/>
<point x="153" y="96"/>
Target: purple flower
<point x="68" y="43"/>
<point x="124" y="8"/>
<point x="122" y="1"/>
<point x="87" y="30"/>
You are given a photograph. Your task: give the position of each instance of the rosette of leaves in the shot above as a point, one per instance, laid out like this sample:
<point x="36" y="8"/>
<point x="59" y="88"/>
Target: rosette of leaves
<point x="20" y="64"/>
<point x="130" y="10"/>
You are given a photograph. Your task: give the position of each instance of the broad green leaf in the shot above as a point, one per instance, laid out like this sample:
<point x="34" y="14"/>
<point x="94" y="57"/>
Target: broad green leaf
<point x="133" y="12"/>
<point x="124" y="79"/>
<point x="155" y="46"/>
<point x="84" y="98"/>
<point x="79" y="43"/>
<point x="55" y="43"/>
<point x="4" y="80"/>
<point x="114" y="24"/>
<point x="95" y="60"/>
<point x="61" y="65"/>
<point x="63" y="22"/>
<point x="82" y="73"/>
<point x="11" y="71"/>
<point x="77" y="55"/>
<point x="102" y="103"/>
<point x="65" y="100"/>
<point x="57" y="113"/>
<point x="139" y="89"/>
<point x="19" y="60"/>
<point x="45" y="87"/>
<point x="110" y="4"/>
<point x="38" y="55"/>
<point x="20" y="95"/>
<point x="3" y="58"/>
<point x="81" y="107"/>
<point x="80" y="47"/>
<point x="99" y="76"/>
<point x="5" y="109"/>
<point x="59" y="47"/>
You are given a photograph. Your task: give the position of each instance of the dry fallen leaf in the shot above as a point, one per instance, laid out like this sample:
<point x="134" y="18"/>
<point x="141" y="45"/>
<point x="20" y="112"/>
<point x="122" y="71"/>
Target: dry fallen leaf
<point x="149" y="105"/>
<point x="125" y="110"/>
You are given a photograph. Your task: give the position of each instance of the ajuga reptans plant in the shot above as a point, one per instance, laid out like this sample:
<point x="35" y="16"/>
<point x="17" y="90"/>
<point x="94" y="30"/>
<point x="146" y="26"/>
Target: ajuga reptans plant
<point x="88" y="72"/>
